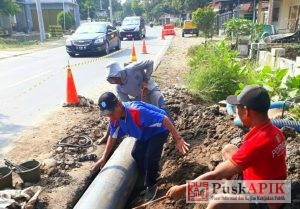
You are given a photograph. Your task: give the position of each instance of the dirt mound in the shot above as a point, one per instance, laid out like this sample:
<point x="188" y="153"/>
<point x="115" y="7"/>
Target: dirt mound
<point x="207" y="129"/>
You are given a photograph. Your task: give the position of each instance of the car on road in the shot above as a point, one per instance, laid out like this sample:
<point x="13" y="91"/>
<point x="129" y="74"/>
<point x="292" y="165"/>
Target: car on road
<point x="133" y="28"/>
<point x="189" y="28"/>
<point x="93" y="38"/>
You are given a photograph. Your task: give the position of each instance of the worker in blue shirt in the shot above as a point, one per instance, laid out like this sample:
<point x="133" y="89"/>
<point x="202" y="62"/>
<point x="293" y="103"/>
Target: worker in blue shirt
<point x="149" y="125"/>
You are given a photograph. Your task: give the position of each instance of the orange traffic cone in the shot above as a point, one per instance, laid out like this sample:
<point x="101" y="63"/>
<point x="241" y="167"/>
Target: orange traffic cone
<point x="144" y="50"/>
<point x="133" y="54"/>
<point x="162" y="34"/>
<point x="72" y="97"/>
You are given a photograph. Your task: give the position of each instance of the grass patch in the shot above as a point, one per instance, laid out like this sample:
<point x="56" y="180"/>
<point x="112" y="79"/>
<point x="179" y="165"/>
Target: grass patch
<point x="13" y="43"/>
<point x="214" y="71"/>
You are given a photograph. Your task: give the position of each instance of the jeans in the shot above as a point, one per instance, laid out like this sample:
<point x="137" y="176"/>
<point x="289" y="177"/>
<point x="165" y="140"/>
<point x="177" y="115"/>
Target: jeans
<point x="147" y="155"/>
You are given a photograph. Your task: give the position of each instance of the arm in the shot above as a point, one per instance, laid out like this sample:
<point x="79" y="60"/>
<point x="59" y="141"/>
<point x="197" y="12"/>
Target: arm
<point x="122" y="96"/>
<point x="146" y="67"/>
<point x="224" y="170"/>
<point x="115" y="132"/>
<point x="168" y="124"/>
<point x="108" y="148"/>
<point x="149" y="70"/>
<point x="181" y="145"/>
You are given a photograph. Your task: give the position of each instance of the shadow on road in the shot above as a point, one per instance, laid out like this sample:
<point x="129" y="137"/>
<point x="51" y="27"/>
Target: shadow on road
<point x="8" y="128"/>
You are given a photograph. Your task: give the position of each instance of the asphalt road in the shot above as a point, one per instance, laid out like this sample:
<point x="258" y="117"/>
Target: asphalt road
<point x="34" y="84"/>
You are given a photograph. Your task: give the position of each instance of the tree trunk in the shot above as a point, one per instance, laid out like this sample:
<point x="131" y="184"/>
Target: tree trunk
<point x="9" y="25"/>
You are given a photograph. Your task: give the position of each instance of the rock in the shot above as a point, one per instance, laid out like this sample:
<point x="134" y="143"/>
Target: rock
<point x="19" y="186"/>
<point x="70" y="162"/>
<point x="52" y="172"/>
<point x="291" y="167"/>
<point x="50" y="163"/>
<point x="217" y="157"/>
<point x="206" y="142"/>
<point x="59" y="150"/>
<point x="72" y="149"/>
<point x="85" y="126"/>
<point x="289" y="132"/>
<point x="220" y="129"/>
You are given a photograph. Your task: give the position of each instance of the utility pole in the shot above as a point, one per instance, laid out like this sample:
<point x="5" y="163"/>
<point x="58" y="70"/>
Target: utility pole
<point x="110" y="12"/>
<point x="238" y="9"/>
<point x="254" y="11"/>
<point x="64" y="15"/>
<point x="40" y="19"/>
<point x="270" y="17"/>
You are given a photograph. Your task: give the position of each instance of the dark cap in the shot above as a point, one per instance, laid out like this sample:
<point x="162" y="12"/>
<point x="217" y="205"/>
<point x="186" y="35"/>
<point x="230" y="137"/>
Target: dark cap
<point x="254" y="97"/>
<point x="107" y="103"/>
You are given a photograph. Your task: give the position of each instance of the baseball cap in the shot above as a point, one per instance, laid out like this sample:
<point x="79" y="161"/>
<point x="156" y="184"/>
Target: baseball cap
<point x="252" y="96"/>
<point x="107" y="103"/>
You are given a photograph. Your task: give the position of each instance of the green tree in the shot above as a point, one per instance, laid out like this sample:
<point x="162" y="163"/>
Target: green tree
<point x="204" y="18"/>
<point x="93" y="7"/>
<point x="191" y="5"/>
<point x="242" y="27"/>
<point x="127" y="11"/>
<point x="69" y="20"/>
<point x="9" y="7"/>
<point x="137" y="7"/>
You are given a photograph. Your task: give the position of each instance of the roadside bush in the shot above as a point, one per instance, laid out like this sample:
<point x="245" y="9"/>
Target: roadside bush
<point x="294" y="113"/>
<point x="279" y="85"/>
<point x="55" y="31"/>
<point x="69" y="20"/>
<point x="214" y="71"/>
<point x="1" y="31"/>
<point x="237" y="27"/>
<point x="204" y="18"/>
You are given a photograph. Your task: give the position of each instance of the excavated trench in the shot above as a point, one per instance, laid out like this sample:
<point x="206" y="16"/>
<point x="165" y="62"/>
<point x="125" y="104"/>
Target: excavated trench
<point x="207" y="129"/>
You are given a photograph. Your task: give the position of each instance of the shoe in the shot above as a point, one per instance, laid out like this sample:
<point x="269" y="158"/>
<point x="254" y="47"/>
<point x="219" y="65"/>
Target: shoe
<point x="150" y="193"/>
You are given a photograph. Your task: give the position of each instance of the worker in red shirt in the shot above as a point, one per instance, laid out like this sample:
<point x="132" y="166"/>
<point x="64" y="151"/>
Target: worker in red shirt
<point x="261" y="155"/>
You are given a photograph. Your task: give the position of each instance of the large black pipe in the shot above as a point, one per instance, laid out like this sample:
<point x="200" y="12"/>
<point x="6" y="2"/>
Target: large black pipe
<point x="114" y="183"/>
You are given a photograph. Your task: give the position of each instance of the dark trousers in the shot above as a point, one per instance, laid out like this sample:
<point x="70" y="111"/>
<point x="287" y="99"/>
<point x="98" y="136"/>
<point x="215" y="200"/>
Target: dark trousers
<point x="147" y="155"/>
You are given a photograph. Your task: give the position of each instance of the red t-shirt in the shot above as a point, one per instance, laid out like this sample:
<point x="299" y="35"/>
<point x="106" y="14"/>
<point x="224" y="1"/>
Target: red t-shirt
<point x="262" y="154"/>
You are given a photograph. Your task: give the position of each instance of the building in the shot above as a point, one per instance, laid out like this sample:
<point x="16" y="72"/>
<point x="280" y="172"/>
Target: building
<point x="283" y="14"/>
<point x="26" y="20"/>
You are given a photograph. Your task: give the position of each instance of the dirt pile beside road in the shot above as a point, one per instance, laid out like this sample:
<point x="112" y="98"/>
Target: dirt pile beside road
<point x="207" y="129"/>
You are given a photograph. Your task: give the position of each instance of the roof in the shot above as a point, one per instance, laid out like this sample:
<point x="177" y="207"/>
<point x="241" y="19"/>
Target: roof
<point x="235" y="1"/>
<point x="133" y="17"/>
<point x="96" y="23"/>
<point x="52" y="1"/>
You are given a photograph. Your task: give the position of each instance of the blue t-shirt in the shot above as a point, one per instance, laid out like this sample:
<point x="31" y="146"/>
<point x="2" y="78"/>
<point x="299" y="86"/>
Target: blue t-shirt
<point x="142" y="121"/>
